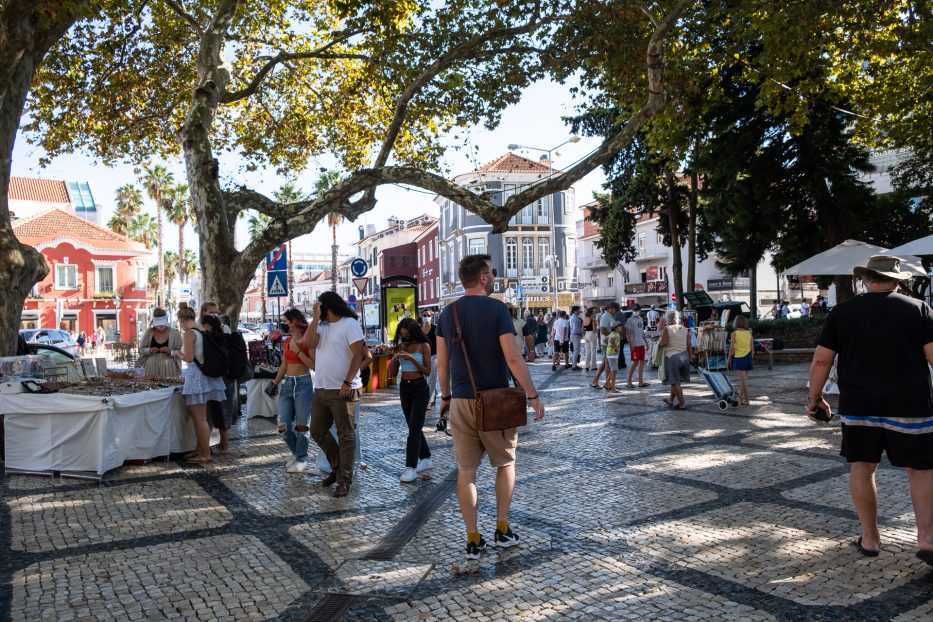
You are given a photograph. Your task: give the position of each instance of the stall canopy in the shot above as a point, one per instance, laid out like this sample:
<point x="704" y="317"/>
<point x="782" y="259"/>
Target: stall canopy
<point x="840" y="260"/>
<point x="923" y="246"/>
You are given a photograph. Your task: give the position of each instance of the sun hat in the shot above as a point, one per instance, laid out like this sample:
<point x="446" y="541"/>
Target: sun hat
<point x="885" y="265"/>
<point x="161" y="320"/>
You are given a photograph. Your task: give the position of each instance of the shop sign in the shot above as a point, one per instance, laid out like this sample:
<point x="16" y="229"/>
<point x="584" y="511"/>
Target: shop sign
<point x="650" y="287"/>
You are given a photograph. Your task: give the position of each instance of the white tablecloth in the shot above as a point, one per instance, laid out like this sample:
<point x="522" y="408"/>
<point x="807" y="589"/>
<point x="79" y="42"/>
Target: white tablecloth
<point x="258" y="404"/>
<point x="79" y="434"/>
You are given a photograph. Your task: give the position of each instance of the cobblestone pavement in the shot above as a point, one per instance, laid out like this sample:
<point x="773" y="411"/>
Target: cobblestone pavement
<point x="627" y="510"/>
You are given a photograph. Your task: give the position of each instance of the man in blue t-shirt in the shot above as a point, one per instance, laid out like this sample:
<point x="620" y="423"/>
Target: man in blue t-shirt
<point x="489" y="335"/>
<point x="885" y="342"/>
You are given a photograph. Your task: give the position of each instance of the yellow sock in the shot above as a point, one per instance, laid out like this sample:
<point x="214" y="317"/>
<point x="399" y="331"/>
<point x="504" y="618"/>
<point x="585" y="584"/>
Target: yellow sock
<point x="502" y="526"/>
<point x="472" y="537"/>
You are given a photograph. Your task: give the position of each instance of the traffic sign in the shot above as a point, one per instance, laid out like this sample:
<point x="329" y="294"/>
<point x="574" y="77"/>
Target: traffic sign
<point x="361" y="284"/>
<point x="277" y="259"/>
<point x="351" y="298"/>
<point x="276" y="284"/>
<point x="535" y="284"/>
<point x="359" y="267"/>
<point x="519" y="293"/>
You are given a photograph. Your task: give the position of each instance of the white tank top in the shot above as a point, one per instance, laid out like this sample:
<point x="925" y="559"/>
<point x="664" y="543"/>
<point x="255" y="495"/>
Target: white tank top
<point x="198" y="346"/>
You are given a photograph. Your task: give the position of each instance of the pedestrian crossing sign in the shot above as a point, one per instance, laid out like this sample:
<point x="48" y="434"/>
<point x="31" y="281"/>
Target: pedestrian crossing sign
<point x="276" y="284"/>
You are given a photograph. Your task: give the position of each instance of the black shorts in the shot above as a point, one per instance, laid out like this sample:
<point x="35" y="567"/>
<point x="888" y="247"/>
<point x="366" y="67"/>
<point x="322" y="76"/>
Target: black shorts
<point x="866" y="443"/>
<point x="562" y="346"/>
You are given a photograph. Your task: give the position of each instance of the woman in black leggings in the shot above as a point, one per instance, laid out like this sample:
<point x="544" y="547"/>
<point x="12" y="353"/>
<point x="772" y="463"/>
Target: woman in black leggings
<point x="413" y="360"/>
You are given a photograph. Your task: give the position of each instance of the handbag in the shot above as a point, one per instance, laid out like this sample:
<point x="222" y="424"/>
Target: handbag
<point x="494" y="409"/>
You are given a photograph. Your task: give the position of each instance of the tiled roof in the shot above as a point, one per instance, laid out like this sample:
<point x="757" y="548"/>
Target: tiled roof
<point x="512" y="163"/>
<point x="54" y="223"/>
<point x="42" y="190"/>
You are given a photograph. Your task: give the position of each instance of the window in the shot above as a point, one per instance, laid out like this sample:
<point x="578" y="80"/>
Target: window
<point x="507" y="191"/>
<point x="660" y="238"/>
<point x="566" y="198"/>
<point x="511" y="254"/>
<point x="544" y="249"/>
<point x="571" y="252"/>
<point x="142" y="277"/>
<point x="432" y="287"/>
<point x="528" y="254"/>
<point x="541" y="209"/>
<point x="66" y="276"/>
<point x="642" y="239"/>
<point x="477" y="246"/>
<point x="662" y="273"/>
<point x="609" y="281"/>
<point x="527" y="215"/>
<point x="595" y="281"/>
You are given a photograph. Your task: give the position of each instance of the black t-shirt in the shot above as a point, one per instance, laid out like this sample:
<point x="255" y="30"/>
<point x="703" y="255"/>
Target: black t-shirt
<point x="882" y="368"/>
<point x="432" y="340"/>
<point x="531" y="327"/>
<point x="483" y="321"/>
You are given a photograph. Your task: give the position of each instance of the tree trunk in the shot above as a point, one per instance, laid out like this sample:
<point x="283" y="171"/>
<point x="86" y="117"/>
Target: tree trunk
<point x="333" y="260"/>
<point x="160" y="295"/>
<point x="753" y="291"/>
<point x="692" y="231"/>
<point x="182" y="275"/>
<point x="24" y="41"/>
<point x="844" y="287"/>
<point x="677" y="267"/>
<point x="291" y="277"/>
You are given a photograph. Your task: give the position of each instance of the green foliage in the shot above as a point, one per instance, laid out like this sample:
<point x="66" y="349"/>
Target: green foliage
<point x="796" y="333"/>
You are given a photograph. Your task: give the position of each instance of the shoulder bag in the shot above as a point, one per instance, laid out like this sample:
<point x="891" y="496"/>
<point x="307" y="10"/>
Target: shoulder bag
<point x="494" y="409"/>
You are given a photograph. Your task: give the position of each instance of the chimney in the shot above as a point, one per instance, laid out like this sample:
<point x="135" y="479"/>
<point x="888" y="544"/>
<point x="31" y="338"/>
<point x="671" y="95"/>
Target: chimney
<point x="394" y="222"/>
<point x="544" y="161"/>
<point x="370" y="229"/>
<point x="362" y="232"/>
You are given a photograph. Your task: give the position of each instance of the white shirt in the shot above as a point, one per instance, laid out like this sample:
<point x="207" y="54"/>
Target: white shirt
<point x="561" y="329"/>
<point x="333" y="353"/>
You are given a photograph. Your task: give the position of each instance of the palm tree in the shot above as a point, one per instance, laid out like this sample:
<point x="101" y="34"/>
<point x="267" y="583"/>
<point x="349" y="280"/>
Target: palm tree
<point x="158" y="184"/>
<point x="325" y="182"/>
<point x="143" y="229"/>
<point x="179" y="214"/>
<point x="289" y="193"/>
<point x="188" y="265"/>
<point x="256" y="223"/>
<point x="129" y="204"/>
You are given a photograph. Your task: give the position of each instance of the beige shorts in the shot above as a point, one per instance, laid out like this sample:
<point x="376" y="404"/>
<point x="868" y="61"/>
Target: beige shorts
<point x="470" y="443"/>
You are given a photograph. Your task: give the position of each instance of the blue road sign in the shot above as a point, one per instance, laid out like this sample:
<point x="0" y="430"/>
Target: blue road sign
<point x="351" y="298"/>
<point x="518" y="293"/>
<point x="277" y="259"/>
<point x="359" y="267"/>
<point x="277" y="284"/>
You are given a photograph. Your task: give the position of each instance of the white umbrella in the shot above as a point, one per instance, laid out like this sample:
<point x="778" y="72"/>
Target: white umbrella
<point x="923" y="246"/>
<point x="840" y="260"/>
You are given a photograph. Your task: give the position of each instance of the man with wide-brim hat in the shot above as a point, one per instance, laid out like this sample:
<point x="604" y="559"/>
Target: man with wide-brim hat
<point x="884" y="341"/>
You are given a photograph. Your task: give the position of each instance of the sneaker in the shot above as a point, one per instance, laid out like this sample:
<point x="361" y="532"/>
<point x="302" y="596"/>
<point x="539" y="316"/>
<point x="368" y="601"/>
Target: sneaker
<point x="553" y="367"/>
<point x="291" y="462"/>
<point x="424" y="464"/>
<point x="441" y="425"/>
<point x="473" y="550"/>
<point x="408" y="475"/>
<point x="297" y="467"/>
<point x="504" y="540"/>
<point x="430" y="405"/>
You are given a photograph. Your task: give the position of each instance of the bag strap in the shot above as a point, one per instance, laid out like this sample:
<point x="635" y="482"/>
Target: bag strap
<point x="462" y="341"/>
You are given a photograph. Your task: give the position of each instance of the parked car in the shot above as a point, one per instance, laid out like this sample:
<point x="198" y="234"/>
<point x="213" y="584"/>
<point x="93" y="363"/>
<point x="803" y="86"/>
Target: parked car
<point x="248" y="325"/>
<point x="51" y="336"/>
<point x="727" y="310"/>
<point x="249" y="335"/>
<point x="61" y="358"/>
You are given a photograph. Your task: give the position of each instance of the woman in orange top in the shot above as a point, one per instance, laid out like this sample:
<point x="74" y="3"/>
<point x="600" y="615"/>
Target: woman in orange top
<point x="295" y="389"/>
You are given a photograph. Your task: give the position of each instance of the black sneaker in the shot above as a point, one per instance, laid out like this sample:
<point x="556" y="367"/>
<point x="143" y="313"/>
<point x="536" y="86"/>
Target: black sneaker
<point x="441" y="425"/>
<point x="553" y="367"/>
<point x="504" y="540"/>
<point x="473" y="550"/>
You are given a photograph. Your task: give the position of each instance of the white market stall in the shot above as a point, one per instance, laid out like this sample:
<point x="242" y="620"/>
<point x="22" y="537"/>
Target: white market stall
<point x="86" y="436"/>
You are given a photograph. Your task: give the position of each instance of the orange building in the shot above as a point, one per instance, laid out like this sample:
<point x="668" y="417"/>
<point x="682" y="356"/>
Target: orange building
<point x="97" y="278"/>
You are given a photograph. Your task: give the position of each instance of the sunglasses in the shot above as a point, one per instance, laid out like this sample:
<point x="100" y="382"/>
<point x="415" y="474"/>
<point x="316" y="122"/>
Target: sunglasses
<point x="494" y="273"/>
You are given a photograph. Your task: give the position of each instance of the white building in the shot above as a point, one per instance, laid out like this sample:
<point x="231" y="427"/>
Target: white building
<point x="540" y="243"/>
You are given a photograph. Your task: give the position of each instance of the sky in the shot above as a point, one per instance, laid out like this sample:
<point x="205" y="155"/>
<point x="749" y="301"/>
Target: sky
<point x="535" y="121"/>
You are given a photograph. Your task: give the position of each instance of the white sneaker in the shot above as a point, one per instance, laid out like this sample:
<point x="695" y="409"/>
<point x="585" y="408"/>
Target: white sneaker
<point x="291" y="462"/>
<point x="298" y="467"/>
<point x="408" y="475"/>
<point x="424" y="464"/>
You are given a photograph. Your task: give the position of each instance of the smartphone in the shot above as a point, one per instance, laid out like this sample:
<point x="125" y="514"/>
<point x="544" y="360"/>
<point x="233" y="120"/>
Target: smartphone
<point x="822" y="414"/>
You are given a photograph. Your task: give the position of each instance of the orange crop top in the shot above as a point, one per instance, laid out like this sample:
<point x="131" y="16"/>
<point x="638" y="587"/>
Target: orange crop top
<point x="292" y="357"/>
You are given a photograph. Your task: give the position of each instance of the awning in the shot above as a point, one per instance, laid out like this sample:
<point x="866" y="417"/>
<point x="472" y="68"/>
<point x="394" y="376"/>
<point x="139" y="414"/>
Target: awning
<point x="923" y="246"/>
<point x="840" y="260"/>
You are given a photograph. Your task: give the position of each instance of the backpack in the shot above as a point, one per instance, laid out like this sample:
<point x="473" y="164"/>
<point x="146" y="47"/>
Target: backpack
<point x="239" y="365"/>
<point x="216" y="354"/>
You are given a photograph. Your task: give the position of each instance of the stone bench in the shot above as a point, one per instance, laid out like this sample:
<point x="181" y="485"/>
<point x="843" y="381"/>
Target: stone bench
<point x="787" y="356"/>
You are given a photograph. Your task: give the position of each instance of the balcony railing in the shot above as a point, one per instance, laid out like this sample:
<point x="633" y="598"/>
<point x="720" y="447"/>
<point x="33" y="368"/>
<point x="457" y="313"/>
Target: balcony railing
<point x="593" y="261"/>
<point x="598" y="293"/>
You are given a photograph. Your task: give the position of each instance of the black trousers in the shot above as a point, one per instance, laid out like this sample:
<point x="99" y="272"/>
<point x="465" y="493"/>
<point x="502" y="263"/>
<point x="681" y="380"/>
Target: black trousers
<point x="415" y="395"/>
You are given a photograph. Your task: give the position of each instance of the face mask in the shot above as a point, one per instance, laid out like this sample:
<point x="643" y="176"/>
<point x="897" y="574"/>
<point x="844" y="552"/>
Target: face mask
<point x="426" y="319"/>
<point x="404" y="339"/>
<point x="283" y="327"/>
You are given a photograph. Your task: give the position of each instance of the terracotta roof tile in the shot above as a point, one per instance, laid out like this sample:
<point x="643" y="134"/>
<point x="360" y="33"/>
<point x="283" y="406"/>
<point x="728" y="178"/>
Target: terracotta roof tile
<point x="513" y="163"/>
<point x="42" y="190"/>
<point x="54" y="223"/>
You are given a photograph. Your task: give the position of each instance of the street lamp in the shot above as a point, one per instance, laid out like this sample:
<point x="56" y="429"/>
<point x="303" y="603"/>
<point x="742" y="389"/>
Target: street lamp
<point x="552" y="270"/>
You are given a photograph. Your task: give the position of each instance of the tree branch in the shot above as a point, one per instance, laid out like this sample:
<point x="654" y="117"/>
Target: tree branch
<point x="464" y="51"/>
<point x="179" y="10"/>
<point x="282" y="57"/>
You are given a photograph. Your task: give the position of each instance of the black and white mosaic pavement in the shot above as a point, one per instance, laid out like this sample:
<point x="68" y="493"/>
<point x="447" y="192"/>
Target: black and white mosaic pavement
<point x="627" y="510"/>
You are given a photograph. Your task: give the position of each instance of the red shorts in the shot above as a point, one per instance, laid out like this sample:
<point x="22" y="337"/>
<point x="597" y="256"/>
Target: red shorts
<point x="638" y="353"/>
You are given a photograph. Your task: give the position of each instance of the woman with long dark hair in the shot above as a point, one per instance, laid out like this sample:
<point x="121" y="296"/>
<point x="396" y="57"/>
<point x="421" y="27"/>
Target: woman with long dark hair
<point x="295" y="388"/>
<point x="198" y="389"/>
<point x="413" y="360"/>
